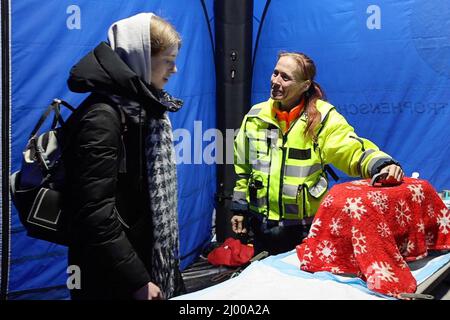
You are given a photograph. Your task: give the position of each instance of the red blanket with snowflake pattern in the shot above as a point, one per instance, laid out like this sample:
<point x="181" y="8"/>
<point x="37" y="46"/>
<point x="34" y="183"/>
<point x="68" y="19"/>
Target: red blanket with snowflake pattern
<point x="373" y="231"/>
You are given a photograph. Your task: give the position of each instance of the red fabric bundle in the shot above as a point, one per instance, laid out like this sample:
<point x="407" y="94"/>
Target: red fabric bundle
<point x="372" y="232"/>
<point x="231" y="253"/>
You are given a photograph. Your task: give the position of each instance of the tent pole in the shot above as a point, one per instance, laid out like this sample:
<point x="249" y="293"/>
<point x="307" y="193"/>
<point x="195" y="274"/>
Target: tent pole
<point x="233" y="55"/>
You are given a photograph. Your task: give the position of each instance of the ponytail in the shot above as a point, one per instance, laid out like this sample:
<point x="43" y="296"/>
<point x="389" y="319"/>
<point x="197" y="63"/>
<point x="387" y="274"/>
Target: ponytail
<point x="313" y="93"/>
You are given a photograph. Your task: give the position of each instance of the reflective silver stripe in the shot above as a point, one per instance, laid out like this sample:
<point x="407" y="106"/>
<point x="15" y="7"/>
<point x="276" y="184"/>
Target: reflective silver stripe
<point x="254" y="112"/>
<point x="259" y="135"/>
<point x="373" y="161"/>
<point x="261" y="165"/>
<point x="272" y="134"/>
<point x="260" y="202"/>
<point x="318" y="189"/>
<point x="290" y="190"/>
<point x="363" y="156"/>
<point x="301" y="172"/>
<point x="291" y="208"/>
<point x="239" y="195"/>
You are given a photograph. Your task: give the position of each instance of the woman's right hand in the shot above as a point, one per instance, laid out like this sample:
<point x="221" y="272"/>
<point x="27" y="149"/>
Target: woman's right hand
<point x="237" y="224"/>
<point x="148" y="292"/>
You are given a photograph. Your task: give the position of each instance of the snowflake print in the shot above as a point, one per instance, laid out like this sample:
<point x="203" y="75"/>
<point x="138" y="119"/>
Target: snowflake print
<point x="430" y="239"/>
<point x="327" y="201"/>
<point x="326" y="251"/>
<point x="358" y="241"/>
<point x="353" y="188"/>
<point x="379" y="200"/>
<point x="421" y="227"/>
<point x="406" y="247"/>
<point x="336" y="270"/>
<point x="360" y="182"/>
<point x="393" y="294"/>
<point x="402" y="216"/>
<point x="380" y="271"/>
<point x="416" y="192"/>
<point x="430" y="211"/>
<point x="354" y="208"/>
<point x="444" y="221"/>
<point x="335" y="226"/>
<point x="314" y="228"/>
<point x="401" y="262"/>
<point x="383" y="230"/>
<point x="307" y="257"/>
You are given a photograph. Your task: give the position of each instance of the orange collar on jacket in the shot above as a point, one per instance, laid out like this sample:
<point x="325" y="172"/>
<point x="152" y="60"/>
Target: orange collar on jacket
<point x="286" y="118"/>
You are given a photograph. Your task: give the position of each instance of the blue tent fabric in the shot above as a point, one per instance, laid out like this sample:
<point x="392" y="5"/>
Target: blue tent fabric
<point x="43" y="48"/>
<point x="384" y="64"/>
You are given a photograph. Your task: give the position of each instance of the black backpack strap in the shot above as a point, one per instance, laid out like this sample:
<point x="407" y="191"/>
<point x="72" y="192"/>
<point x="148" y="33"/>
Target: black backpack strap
<point x="54" y="106"/>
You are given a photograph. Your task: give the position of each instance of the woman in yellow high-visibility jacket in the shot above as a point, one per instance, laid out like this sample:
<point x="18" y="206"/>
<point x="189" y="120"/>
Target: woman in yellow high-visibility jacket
<point x="281" y="154"/>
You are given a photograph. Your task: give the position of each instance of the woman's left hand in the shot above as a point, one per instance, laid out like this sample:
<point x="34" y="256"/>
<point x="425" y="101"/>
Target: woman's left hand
<point x="394" y="173"/>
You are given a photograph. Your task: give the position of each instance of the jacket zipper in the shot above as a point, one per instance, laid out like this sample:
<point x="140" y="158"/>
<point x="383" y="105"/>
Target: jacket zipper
<point x="283" y="161"/>
<point x="304" y="199"/>
<point x="269" y="150"/>
<point x="268" y="185"/>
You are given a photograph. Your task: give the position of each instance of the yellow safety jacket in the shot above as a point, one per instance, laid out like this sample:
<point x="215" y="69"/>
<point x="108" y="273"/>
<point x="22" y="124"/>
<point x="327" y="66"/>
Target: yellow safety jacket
<point x="283" y="177"/>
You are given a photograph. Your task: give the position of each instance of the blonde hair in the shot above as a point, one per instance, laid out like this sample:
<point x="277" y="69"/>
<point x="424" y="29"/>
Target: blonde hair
<point x="163" y="35"/>
<point x="307" y="71"/>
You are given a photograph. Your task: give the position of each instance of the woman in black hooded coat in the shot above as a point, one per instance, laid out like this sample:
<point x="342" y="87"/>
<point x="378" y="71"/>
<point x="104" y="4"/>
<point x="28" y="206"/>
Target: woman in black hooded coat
<point x="121" y="173"/>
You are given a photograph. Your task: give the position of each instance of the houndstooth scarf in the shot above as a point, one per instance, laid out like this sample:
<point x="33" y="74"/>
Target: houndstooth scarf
<point x="163" y="190"/>
<point x="130" y="39"/>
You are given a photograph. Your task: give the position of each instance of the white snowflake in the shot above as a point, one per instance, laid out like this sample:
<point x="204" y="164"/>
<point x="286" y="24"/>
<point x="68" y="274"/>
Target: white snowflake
<point x="393" y="294"/>
<point x="314" y="228"/>
<point x="430" y="211"/>
<point x="354" y="208"/>
<point x="430" y="239"/>
<point x="401" y="262"/>
<point x="335" y="226"/>
<point x="444" y="221"/>
<point x="379" y="200"/>
<point x="327" y="201"/>
<point x="406" y="247"/>
<point x="336" y="270"/>
<point x="358" y="241"/>
<point x="353" y="188"/>
<point x="360" y="182"/>
<point x="380" y="271"/>
<point x="416" y="192"/>
<point x="307" y="257"/>
<point x="402" y="216"/>
<point x="421" y="227"/>
<point x="326" y="251"/>
<point x="383" y="230"/>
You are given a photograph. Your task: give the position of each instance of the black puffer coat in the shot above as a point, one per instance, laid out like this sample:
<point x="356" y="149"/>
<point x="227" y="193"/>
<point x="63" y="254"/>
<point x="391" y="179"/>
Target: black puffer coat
<point x="106" y="192"/>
